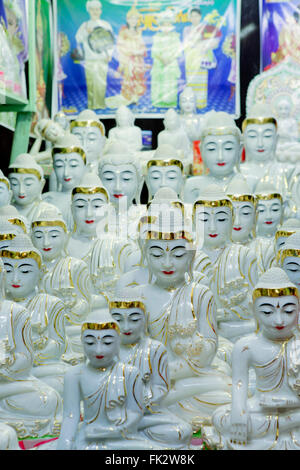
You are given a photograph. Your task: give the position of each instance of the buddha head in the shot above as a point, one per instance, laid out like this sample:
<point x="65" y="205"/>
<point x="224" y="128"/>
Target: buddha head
<point x="213" y="217"/>
<point x="124" y="117"/>
<point x="61" y="119"/>
<point x="121" y="175"/>
<point x="5" y="190"/>
<point x="8" y="232"/>
<point x="49" y="130"/>
<point x="100" y="336"/>
<point x="89" y="204"/>
<point x="276" y="304"/>
<point x="289" y="258"/>
<point x="69" y="162"/>
<point x="165" y="169"/>
<point x="169" y="255"/>
<point x="269" y="209"/>
<point x="23" y="263"/>
<point x="187" y="101"/>
<point x="49" y="234"/>
<point x="12" y="216"/>
<point x="167" y="208"/>
<point x="243" y="202"/>
<point x="220" y="144"/>
<point x="283" y="106"/>
<point x="26" y="179"/>
<point x="130" y="313"/>
<point x="284" y="231"/>
<point x="260" y="134"/>
<point x="171" y="120"/>
<point x="90" y="133"/>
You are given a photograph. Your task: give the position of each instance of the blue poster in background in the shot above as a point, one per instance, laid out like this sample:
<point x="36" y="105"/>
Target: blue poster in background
<point x="143" y="54"/>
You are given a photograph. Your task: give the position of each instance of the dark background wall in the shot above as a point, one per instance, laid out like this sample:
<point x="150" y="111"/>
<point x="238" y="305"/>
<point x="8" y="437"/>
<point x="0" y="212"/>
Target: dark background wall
<point x="249" y="67"/>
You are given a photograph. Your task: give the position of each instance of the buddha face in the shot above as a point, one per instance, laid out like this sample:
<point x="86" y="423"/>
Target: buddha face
<point x="269" y="214"/>
<point x="277" y="316"/>
<point x="168" y="260"/>
<point x="171" y="121"/>
<point x="5" y="194"/>
<point x="243" y="220"/>
<point x="291" y="265"/>
<point x="69" y="169"/>
<point x="26" y="188"/>
<point x="131" y="322"/>
<point x="100" y="346"/>
<point x="50" y="241"/>
<point x="22" y="276"/>
<point x="91" y="140"/>
<point x="164" y="176"/>
<point x="283" y="109"/>
<point x="216" y="225"/>
<point x="187" y="102"/>
<point x="121" y="181"/>
<point x="220" y="154"/>
<point x="260" y="141"/>
<point x="52" y="132"/>
<point x="88" y="210"/>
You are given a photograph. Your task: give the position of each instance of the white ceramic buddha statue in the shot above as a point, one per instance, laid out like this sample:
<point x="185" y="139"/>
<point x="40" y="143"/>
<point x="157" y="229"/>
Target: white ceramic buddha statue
<point x="5" y="191"/>
<point x="150" y="358"/>
<point x="111" y="392"/>
<point x="27" y="404"/>
<point x="243" y="202"/>
<point x="23" y="266"/>
<point x="89" y="206"/>
<point x="125" y="130"/>
<point x="260" y="140"/>
<point x="269" y="210"/>
<point x="269" y="419"/>
<point x="90" y="132"/>
<point x="10" y="215"/>
<point x="64" y="276"/>
<point x="294" y="193"/>
<point x="231" y="267"/>
<point x="181" y="315"/>
<point x="165" y="169"/>
<point x="288" y="146"/>
<point x="190" y="120"/>
<point x="174" y="134"/>
<point x="69" y="163"/>
<point x="27" y="182"/>
<point x="221" y="153"/>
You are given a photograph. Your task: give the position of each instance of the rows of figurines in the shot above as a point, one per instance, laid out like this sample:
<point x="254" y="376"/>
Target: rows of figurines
<point x="134" y="326"/>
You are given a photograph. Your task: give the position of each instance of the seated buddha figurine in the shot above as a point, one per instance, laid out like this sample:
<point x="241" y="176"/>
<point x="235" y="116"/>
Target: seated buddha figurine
<point x="5" y="191"/>
<point x="125" y="130"/>
<point x="270" y="419"/>
<point x="190" y="120"/>
<point x="181" y="315"/>
<point x="69" y="163"/>
<point x="165" y="169"/>
<point x="231" y="267"/>
<point x="221" y="153"/>
<point x="64" y="276"/>
<point x="23" y="266"/>
<point x="27" y="404"/>
<point x="89" y="203"/>
<point x="175" y="135"/>
<point x="27" y="182"/>
<point x="288" y="147"/>
<point x="150" y="358"/>
<point x="111" y="392"/>
<point x="90" y="132"/>
<point x="260" y="140"/>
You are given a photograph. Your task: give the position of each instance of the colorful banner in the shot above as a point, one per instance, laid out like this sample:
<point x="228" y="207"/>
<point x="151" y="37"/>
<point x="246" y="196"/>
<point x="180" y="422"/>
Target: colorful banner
<point x="142" y="54"/>
<point x="279" y="31"/>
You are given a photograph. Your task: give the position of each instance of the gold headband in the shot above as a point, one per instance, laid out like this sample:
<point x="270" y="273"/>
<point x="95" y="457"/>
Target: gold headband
<point x="66" y="150"/>
<point x="268" y="197"/>
<point x="221" y="131"/>
<point x="181" y="235"/>
<point x="49" y="223"/>
<point x="4" y="180"/>
<point x="18" y="222"/>
<point x="21" y="255"/>
<point x="7" y="236"/>
<point x="242" y="198"/>
<point x="283" y="233"/>
<point x="126" y="304"/>
<point x="258" y="120"/>
<point x="88" y="123"/>
<point x="170" y="162"/>
<point x="87" y="190"/>
<point x="100" y="326"/>
<point x="280" y="292"/>
<point x="289" y="252"/>
<point x="146" y="219"/>
<point x="217" y="203"/>
<point x="25" y="171"/>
